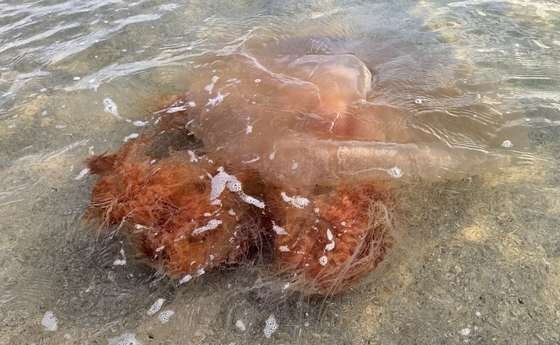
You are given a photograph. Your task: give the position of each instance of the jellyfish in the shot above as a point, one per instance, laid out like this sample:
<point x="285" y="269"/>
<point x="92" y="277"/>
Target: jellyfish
<point x="283" y="163"/>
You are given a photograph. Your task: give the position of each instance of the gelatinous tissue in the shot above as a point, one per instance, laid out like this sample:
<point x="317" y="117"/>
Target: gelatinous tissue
<point x="317" y="212"/>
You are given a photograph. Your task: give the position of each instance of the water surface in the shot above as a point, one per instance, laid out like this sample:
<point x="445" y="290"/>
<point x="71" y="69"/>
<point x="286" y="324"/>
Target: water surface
<point x="482" y="247"/>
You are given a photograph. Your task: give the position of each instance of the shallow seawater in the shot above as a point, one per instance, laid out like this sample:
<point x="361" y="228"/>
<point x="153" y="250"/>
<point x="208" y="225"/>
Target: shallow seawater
<point x="481" y="247"/>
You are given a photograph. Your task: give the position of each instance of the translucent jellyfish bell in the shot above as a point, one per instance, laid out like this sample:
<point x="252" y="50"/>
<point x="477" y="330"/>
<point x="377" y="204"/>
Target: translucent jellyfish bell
<point x="341" y="79"/>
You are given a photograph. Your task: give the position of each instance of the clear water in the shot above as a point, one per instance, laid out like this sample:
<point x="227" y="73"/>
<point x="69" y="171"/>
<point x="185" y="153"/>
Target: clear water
<point x="483" y="250"/>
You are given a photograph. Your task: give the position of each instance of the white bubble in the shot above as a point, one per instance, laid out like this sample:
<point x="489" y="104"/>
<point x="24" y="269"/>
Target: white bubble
<point x="185" y="279"/>
<point x="270" y="326"/>
<point x="165" y="315"/>
<point x="465" y="331"/>
<point x="507" y="143"/>
<point x="140" y="123"/>
<point x="323" y="260"/>
<point x="418" y="101"/>
<point x="111" y="107"/>
<point x="223" y="180"/>
<point x="395" y="172"/>
<point x="49" y="321"/>
<point x="284" y="248"/>
<point x="234" y="186"/>
<point x="279" y="230"/>
<point x="210" y="86"/>
<point x="172" y="110"/>
<point x="156" y="306"/>
<point x="192" y="156"/>
<point x="250" y="200"/>
<point x="119" y="262"/>
<point x="212" y="224"/>
<point x="132" y="136"/>
<point x="219" y="183"/>
<point x="296" y="201"/>
<point x="240" y="325"/>
<point x="252" y="160"/>
<point x="125" y="339"/>
<point x="249" y="129"/>
<point x="216" y="100"/>
<point x="82" y="174"/>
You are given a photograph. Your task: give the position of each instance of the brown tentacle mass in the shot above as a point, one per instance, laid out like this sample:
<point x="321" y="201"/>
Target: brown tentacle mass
<point x="165" y="207"/>
<point x="198" y="193"/>
<point x="336" y="239"/>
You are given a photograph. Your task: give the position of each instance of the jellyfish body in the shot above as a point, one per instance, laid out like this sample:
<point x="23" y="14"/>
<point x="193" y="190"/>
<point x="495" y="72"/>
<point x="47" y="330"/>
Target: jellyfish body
<point x="287" y="161"/>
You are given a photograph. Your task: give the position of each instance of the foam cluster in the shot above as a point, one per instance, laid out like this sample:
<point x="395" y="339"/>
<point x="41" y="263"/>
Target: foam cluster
<point x="155" y="307"/>
<point x="49" y="321"/>
<point x="165" y="315"/>
<point x="270" y="326"/>
<point x="124" y="339"/>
